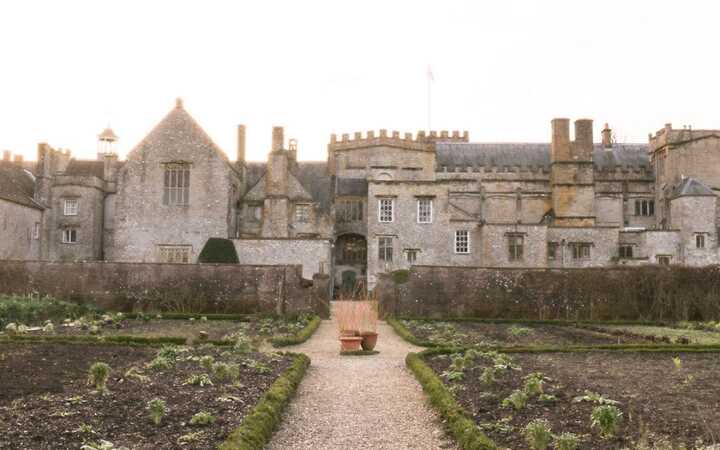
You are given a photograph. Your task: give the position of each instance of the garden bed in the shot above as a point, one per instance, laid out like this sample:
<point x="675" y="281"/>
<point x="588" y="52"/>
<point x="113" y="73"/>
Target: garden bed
<point x="191" y="329"/>
<point x="663" y="334"/>
<point x="468" y="333"/>
<point x="46" y="401"/>
<point x="662" y="399"/>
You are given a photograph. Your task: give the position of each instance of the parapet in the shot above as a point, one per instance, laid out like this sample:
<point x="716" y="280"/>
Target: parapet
<point x="673" y="136"/>
<point x="421" y="141"/>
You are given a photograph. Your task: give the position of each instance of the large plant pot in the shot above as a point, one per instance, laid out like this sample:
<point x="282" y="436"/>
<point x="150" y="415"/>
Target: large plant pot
<point x="350" y="343"/>
<point x="349" y="333"/>
<point x="369" y="340"/>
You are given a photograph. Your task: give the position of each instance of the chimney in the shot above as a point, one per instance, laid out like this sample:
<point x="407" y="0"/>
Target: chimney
<point x="607" y="137"/>
<point x="109" y="160"/>
<point x="18" y="159"/>
<point x="583" y="145"/>
<point x="278" y="139"/>
<point x="241" y="144"/>
<point x="560" y="146"/>
<point x="7" y="155"/>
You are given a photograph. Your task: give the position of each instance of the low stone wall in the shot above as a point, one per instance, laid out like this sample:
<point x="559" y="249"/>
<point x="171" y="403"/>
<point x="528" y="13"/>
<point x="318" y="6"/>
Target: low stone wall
<point x="629" y="293"/>
<point x="209" y="288"/>
<point x="314" y="255"/>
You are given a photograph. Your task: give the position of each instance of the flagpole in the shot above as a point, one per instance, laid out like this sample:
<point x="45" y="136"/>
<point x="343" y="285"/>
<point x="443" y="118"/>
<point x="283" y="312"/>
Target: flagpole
<point x="429" y="83"/>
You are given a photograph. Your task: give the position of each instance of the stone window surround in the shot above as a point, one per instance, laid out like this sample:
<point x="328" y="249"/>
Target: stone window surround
<point x="36" y="231"/>
<point x="644" y="207"/>
<point x="581" y="250"/>
<point x="71" y="206"/>
<point x="385" y="248"/>
<point x="461" y="242"/>
<point x="386" y="209"/>
<point x="70" y="235"/>
<point x="552" y="248"/>
<point x="175" y="253"/>
<point x="700" y="240"/>
<point x="625" y="251"/>
<point x="424" y="209"/>
<point x="516" y="246"/>
<point x="303" y="212"/>
<point x="411" y="254"/>
<point x="176" y="183"/>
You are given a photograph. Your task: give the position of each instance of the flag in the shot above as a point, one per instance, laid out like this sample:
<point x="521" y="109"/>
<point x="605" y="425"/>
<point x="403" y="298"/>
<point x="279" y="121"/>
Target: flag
<point x="430" y="75"/>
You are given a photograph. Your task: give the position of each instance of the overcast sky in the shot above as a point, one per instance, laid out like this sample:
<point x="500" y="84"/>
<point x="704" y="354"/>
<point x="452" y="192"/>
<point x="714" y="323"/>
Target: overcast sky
<point x="502" y="69"/>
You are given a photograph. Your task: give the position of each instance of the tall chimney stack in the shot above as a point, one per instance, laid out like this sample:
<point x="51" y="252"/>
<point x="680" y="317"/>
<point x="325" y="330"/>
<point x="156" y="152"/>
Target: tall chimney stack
<point x="241" y="144"/>
<point x="18" y="159"/>
<point x="7" y="155"/>
<point x="278" y="138"/>
<point x="607" y="137"/>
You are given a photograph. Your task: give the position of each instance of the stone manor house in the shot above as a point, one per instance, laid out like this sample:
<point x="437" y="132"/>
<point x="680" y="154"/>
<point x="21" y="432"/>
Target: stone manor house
<point x="379" y="203"/>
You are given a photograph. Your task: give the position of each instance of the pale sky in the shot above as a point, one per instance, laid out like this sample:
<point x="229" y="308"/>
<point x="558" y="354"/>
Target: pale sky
<point x="503" y="69"/>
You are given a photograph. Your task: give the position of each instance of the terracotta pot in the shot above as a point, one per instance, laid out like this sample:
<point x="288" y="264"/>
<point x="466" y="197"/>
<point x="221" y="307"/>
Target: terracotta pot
<point x="350" y="343"/>
<point x="369" y="340"/>
<point x="349" y="333"/>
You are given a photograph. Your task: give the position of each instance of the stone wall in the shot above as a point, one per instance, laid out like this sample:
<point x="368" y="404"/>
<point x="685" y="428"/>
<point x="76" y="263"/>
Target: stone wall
<point x="628" y="293"/>
<point x="314" y="255"/>
<point x="209" y="288"/>
<point x="17" y="223"/>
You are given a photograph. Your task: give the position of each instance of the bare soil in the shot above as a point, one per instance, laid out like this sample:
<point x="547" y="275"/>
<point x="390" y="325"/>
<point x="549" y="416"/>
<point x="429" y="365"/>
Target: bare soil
<point x="658" y="400"/>
<point x="46" y="399"/>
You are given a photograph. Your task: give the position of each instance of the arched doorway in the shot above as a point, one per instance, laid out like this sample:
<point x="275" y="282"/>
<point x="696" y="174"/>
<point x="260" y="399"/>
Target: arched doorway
<point x="350" y="264"/>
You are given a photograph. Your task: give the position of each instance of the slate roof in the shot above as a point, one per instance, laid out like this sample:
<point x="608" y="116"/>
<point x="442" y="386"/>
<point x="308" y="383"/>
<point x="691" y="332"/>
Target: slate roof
<point x="691" y="187"/>
<point x="85" y="168"/>
<point x="17" y="185"/>
<point x="352" y="186"/>
<point x="312" y="175"/>
<point x="453" y="155"/>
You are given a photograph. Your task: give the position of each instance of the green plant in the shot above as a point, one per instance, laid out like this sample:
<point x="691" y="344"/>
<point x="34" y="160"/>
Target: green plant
<point x="225" y="372"/>
<point x="207" y="361"/>
<point x="160" y="363"/>
<point x="243" y="345"/>
<point x="547" y="398"/>
<point x="136" y="374"/>
<point x="169" y="352"/>
<point x="98" y="375"/>
<point x="517" y="331"/>
<point x="567" y="441"/>
<point x="48" y="327"/>
<point x="538" y="434"/>
<point x="594" y="397"/>
<point x="157" y="409"/>
<point x="488" y="376"/>
<point x="607" y="418"/>
<point x="517" y="399"/>
<point x="102" y="445"/>
<point x="190" y="438"/>
<point x="677" y="362"/>
<point x="534" y="384"/>
<point x="201" y="380"/>
<point x="202" y="418"/>
<point x="84" y="429"/>
<point x="218" y="250"/>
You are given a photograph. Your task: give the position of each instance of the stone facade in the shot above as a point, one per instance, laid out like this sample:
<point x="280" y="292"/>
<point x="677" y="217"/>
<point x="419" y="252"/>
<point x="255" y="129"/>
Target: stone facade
<point x="380" y="202"/>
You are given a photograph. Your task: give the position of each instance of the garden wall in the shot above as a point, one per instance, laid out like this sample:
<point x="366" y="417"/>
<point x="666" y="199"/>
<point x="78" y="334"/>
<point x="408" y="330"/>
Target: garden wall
<point x="208" y="288"/>
<point x="633" y="293"/>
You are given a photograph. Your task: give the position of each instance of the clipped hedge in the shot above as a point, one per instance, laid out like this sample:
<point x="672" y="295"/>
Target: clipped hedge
<point x="406" y="334"/>
<point x="457" y="420"/>
<point x="218" y="250"/>
<point x="258" y="426"/>
<point x="302" y="336"/>
<point x="187" y="316"/>
<point x="115" y="339"/>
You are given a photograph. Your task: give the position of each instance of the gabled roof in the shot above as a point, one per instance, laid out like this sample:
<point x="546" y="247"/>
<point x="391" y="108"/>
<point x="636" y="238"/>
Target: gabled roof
<point x="453" y="155"/>
<point x="311" y="175"/>
<point x="17" y="185"/>
<point x="176" y="128"/>
<point x="691" y="187"/>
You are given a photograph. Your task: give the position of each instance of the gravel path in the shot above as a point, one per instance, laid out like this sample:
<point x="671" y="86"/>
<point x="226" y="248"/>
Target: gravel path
<point x="359" y="402"/>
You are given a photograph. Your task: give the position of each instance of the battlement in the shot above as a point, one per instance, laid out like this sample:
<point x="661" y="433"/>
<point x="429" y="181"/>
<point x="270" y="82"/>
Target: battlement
<point x="421" y="141"/>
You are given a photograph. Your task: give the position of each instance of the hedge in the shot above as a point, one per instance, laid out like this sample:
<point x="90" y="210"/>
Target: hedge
<point x="302" y="336"/>
<point x="456" y="418"/>
<point x="258" y="426"/>
<point x="220" y="251"/>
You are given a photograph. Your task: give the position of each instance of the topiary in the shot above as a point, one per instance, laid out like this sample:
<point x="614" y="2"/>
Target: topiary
<point x="218" y="250"/>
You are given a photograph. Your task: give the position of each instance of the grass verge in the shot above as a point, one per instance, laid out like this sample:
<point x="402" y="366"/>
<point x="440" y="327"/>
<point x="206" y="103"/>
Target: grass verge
<point x="406" y="334"/>
<point x="457" y="420"/>
<point x="302" y="336"/>
<point x="258" y="426"/>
